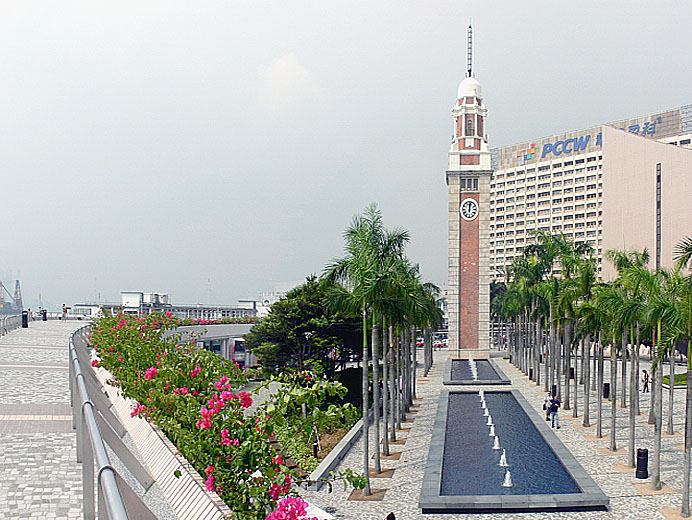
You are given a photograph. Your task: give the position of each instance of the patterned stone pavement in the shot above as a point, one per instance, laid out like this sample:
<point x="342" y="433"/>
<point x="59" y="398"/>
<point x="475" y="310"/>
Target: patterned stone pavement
<point x="608" y="469"/>
<point x="39" y="474"/>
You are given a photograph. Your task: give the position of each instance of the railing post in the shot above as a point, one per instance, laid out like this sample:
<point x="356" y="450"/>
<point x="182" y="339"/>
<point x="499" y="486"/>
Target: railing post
<point x="88" y="504"/>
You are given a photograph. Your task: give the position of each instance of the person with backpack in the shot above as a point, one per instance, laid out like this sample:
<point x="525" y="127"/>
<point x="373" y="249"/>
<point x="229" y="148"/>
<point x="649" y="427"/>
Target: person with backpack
<point x="645" y="380"/>
<point x="546" y="405"/>
<point x="554" y="407"/>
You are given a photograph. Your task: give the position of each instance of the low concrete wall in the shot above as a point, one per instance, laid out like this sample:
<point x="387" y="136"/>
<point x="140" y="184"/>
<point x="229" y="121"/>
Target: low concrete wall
<point x="338" y="453"/>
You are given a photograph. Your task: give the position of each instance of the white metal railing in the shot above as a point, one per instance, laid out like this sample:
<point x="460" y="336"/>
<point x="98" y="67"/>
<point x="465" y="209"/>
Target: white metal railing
<point x="96" y="423"/>
<point x="9" y="323"/>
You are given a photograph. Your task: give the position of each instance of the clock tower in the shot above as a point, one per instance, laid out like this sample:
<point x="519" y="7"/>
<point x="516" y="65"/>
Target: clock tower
<point x="468" y="181"/>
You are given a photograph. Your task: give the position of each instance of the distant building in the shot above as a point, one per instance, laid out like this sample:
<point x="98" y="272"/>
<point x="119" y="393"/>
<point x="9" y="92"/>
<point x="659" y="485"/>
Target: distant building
<point x="567" y="183"/>
<point x="136" y="302"/>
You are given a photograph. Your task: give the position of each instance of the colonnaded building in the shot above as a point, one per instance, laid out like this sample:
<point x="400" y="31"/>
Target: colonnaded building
<point x="620" y="185"/>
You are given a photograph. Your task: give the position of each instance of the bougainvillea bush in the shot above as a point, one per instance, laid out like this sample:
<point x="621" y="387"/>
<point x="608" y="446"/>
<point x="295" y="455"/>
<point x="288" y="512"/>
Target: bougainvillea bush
<point x="196" y="398"/>
<point x="191" y="394"/>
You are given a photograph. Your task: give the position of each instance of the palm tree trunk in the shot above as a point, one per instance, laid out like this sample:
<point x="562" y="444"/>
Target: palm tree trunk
<point x="407" y="371"/>
<point x="414" y="363"/>
<point x="575" y="411"/>
<point x="392" y="383"/>
<point x="635" y="377"/>
<point x="599" y="423"/>
<point x="581" y="370"/>
<point x="654" y="390"/>
<point x="568" y="364"/>
<point x="537" y="353"/>
<point x="656" y="483"/>
<point x="623" y="398"/>
<point x="613" y="395"/>
<point x="594" y="380"/>
<point x="385" y="389"/>
<point x="376" y="388"/>
<point x="587" y="360"/>
<point x="366" y="399"/>
<point x="685" y="508"/>
<point x="633" y="402"/>
<point x="399" y="380"/>
<point x="551" y="347"/>
<point x="559" y="345"/>
<point x="671" y="390"/>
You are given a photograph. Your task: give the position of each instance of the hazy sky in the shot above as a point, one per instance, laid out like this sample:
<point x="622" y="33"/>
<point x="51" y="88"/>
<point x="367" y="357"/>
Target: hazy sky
<point x="214" y="149"/>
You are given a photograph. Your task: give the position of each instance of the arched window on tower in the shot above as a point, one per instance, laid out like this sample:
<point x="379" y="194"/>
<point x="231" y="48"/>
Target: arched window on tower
<point x="469" y="126"/>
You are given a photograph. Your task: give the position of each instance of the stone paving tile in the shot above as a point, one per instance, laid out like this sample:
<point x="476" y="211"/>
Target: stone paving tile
<point x="34" y="355"/>
<point x="33" y="386"/>
<point x="38" y="474"/>
<point x="626" y="502"/>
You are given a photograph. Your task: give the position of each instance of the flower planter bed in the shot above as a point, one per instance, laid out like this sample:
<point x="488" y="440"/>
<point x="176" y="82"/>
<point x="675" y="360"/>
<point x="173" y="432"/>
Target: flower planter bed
<point x="186" y="494"/>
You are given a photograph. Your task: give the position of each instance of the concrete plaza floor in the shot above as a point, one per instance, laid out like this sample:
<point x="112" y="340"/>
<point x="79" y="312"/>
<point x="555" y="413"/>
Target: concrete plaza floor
<point x="629" y="498"/>
<point x="39" y="474"/>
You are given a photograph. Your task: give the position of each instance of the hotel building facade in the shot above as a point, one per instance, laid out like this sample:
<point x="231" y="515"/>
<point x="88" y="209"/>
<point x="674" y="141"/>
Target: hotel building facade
<point x="605" y="186"/>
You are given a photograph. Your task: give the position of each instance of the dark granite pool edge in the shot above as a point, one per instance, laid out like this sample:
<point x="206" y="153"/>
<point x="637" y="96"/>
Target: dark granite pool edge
<point x="447" y="380"/>
<point x="590" y="498"/>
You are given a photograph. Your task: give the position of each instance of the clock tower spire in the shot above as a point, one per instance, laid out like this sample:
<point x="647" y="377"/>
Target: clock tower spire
<point x="468" y="180"/>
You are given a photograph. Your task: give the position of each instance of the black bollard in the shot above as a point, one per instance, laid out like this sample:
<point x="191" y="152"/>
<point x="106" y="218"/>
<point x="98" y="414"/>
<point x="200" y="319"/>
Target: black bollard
<point x="606" y="390"/>
<point x="571" y="372"/>
<point x="44" y="315"/>
<point x="642" y="463"/>
<point x="531" y="374"/>
<point x="25" y="320"/>
<point x="554" y="392"/>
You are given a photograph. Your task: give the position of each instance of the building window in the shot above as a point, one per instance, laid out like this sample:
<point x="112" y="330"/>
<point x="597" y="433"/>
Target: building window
<point x="658" y="215"/>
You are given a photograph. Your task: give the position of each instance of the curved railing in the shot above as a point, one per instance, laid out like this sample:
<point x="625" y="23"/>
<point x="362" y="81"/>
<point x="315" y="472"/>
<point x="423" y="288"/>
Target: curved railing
<point x="94" y="421"/>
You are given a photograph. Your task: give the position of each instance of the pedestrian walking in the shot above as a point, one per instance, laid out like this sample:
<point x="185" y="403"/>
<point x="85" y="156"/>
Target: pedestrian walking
<point x="645" y="380"/>
<point x="554" y="408"/>
<point x="546" y="405"/>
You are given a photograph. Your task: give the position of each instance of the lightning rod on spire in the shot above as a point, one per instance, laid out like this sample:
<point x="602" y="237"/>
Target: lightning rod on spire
<point x="469" y="51"/>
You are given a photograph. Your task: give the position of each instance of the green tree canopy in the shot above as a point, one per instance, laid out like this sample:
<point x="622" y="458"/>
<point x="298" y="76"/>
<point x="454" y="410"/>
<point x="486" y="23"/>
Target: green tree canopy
<point x="300" y="332"/>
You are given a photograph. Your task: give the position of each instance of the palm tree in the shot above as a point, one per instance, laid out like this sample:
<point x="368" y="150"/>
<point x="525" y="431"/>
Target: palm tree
<point x="683" y="328"/>
<point x="661" y="313"/>
<point x="360" y="283"/>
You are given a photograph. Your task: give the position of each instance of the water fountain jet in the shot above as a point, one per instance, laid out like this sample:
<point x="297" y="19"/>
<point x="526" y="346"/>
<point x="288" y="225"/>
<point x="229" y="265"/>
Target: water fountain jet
<point x="508" y="480"/>
<point x="503" y="460"/>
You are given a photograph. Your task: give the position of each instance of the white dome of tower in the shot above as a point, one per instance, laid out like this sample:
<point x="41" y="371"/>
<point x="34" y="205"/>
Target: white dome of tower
<point x="469" y="87"/>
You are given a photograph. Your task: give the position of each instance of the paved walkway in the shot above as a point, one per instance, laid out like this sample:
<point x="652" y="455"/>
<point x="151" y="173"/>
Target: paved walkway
<point x="628" y="501"/>
<point x="39" y="474"/>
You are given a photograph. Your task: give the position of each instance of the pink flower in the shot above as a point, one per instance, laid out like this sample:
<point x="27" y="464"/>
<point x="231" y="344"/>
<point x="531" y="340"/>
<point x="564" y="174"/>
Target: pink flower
<point x="245" y="399"/>
<point x="95" y="363"/>
<point x="209" y="470"/>
<point x="290" y="508"/>
<point x="203" y="424"/>
<point x="150" y="373"/>
<point x="221" y="384"/>
<point x="227" y="441"/>
<point x="139" y="409"/>
<point x="210" y="483"/>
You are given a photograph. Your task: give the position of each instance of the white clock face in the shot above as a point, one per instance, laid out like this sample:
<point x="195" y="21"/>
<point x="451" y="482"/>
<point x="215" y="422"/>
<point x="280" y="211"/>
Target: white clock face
<point x="468" y="209"/>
